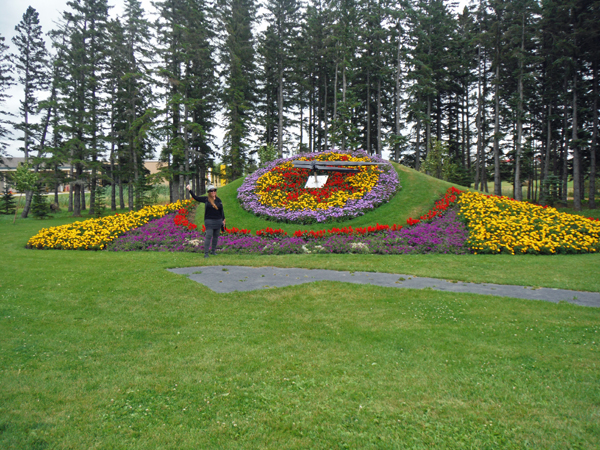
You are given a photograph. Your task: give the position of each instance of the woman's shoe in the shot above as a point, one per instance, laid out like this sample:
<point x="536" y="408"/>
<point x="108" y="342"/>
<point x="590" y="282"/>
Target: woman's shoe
<point x="206" y="255"/>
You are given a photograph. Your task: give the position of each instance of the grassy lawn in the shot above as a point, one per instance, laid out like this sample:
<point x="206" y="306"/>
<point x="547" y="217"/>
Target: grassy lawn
<point x="109" y="350"/>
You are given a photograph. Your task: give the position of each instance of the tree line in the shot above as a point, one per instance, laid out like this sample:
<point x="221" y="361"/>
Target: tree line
<point x="497" y="91"/>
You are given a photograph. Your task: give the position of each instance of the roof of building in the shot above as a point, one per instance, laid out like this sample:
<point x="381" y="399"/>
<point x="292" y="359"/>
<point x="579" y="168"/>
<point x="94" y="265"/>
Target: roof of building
<point x="10" y="162"/>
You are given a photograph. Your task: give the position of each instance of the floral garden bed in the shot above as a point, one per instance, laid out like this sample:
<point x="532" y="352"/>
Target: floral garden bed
<point x="503" y="225"/>
<point x="460" y="222"/>
<point x="444" y="234"/>
<point x="277" y="192"/>
<point x="439" y="231"/>
<point x="96" y="234"/>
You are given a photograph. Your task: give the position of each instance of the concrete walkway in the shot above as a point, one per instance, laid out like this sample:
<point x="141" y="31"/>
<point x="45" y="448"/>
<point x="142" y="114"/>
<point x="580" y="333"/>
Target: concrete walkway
<point x="223" y="279"/>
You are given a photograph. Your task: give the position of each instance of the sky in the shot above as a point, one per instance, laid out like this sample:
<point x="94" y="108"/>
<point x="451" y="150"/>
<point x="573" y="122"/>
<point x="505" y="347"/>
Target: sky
<point x="50" y="12"/>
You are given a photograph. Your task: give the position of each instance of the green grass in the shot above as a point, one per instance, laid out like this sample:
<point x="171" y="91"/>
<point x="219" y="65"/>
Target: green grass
<point x="110" y="351"/>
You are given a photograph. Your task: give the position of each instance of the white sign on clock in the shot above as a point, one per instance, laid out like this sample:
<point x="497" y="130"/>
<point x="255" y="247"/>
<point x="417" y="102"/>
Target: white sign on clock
<point x="318" y="183"/>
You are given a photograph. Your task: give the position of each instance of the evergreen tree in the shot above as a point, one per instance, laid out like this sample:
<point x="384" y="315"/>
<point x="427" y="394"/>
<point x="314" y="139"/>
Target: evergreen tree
<point x="237" y="17"/>
<point x="99" y="201"/>
<point x="84" y="49"/>
<point x="6" y="81"/>
<point x="137" y="93"/>
<point x="201" y="89"/>
<point x="143" y="189"/>
<point x="31" y="65"/>
<point x="8" y="203"/>
<point x="191" y="86"/>
<point x="281" y="33"/>
<point x="40" y="209"/>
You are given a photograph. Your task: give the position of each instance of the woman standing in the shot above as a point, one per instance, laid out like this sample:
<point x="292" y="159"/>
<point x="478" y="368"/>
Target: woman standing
<point x="214" y="217"/>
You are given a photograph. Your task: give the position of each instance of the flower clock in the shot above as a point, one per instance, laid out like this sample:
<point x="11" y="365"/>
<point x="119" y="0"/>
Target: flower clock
<point x="279" y="191"/>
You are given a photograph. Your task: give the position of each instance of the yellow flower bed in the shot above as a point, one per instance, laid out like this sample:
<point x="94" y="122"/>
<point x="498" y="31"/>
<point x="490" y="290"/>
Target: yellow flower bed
<point x="95" y="234"/>
<point x="283" y="186"/>
<point x="503" y="225"/>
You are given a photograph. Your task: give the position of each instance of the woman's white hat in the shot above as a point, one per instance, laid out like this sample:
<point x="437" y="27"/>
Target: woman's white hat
<point x="210" y="187"/>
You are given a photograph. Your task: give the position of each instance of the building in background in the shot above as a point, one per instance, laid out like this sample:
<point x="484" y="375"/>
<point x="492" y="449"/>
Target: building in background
<point x="10" y="164"/>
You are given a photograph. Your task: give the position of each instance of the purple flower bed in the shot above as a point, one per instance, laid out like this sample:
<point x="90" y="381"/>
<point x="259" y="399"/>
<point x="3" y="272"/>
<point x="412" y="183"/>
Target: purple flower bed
<point x="446" y="234"/>
<point x="160" y="235"/>
<point x="381" y="193"/>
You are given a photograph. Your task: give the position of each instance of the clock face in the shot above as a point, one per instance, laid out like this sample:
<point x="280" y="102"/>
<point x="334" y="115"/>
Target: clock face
<point x="292" y="194"/>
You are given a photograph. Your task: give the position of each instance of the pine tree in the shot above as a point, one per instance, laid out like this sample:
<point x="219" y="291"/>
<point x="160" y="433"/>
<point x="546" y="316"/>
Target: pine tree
<point x="99" y="201"/>
<point x="31" y="64"/>
<point x="84" y="47"/>
<point x="6" y="81"/>
<point x="283" y="18"/>
<point x="201" y="89"/>
<point x="237" y="17"/>
<point x="188" y="73"/>
<point x="143" y="188"/>
<point x="40" y="209"/>
<point x="8" y="204"/>
<point x="136" y="88"/>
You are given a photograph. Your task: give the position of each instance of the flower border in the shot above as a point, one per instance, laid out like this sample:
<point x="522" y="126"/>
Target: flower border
<point x="382" y="192"/>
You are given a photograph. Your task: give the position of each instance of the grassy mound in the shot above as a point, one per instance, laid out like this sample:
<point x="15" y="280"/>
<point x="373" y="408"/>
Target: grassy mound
<point x="416" y="197"/>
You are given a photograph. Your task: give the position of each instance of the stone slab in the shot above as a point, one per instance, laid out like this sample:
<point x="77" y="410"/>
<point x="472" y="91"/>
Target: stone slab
<point x="223" y="279"/>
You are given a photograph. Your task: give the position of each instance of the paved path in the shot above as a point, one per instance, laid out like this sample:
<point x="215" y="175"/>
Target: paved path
<point x="240" y="278"/>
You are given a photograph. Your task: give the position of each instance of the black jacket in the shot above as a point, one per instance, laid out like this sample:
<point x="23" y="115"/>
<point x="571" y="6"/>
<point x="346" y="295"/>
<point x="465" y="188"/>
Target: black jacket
<point x="210" y="212"/>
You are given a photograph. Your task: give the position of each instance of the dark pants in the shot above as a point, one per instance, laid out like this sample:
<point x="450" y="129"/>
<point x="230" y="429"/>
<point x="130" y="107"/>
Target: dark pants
<point x="212" y="235"/>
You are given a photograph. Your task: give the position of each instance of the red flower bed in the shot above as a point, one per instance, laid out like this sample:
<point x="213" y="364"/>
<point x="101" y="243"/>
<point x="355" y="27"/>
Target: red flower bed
<point x="271" y="232"/>
<point x="236" y="230"/>
<point x="181" y="220"/>
<point x="440" y="207"/>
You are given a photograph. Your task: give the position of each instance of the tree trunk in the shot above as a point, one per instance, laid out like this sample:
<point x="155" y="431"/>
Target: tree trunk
<point x="518" y="187"/>
<point x="335" y="88"/>
<point x="546" y="171"/>
<point x="113" y="184"/>
<point x="418" y="146"/>
<point x="310" y="119"/>
<point x="325" y="123"/>
<point x="280" y="112"/>
<point x="368" y="149"/>
<point x="397" y="105"/>
<point x="344" y="103"/>
<point x="478" y="120"/>
<point x="121" y="192"/>
<point x="130" y="200"/>
<point x="27" y="207"/>
<point x="186" y="163"/>
<point x="379" y="117"/>
<point x="93" y="185"/>
<point x="576" y="156"/>
<point x="428" y="128"/>
<point x="70" y="208"/>
<point x="594" y="149"/>
<point x="83" y="202"/>
<point x="77" y="191"/>
<point x="497" y="180"/>
<point x="56" y="172"/>
<point x="564" y="151"/>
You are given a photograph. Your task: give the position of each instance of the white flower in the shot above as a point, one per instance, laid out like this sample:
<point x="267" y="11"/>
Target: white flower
<point x="360" y="246"/>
